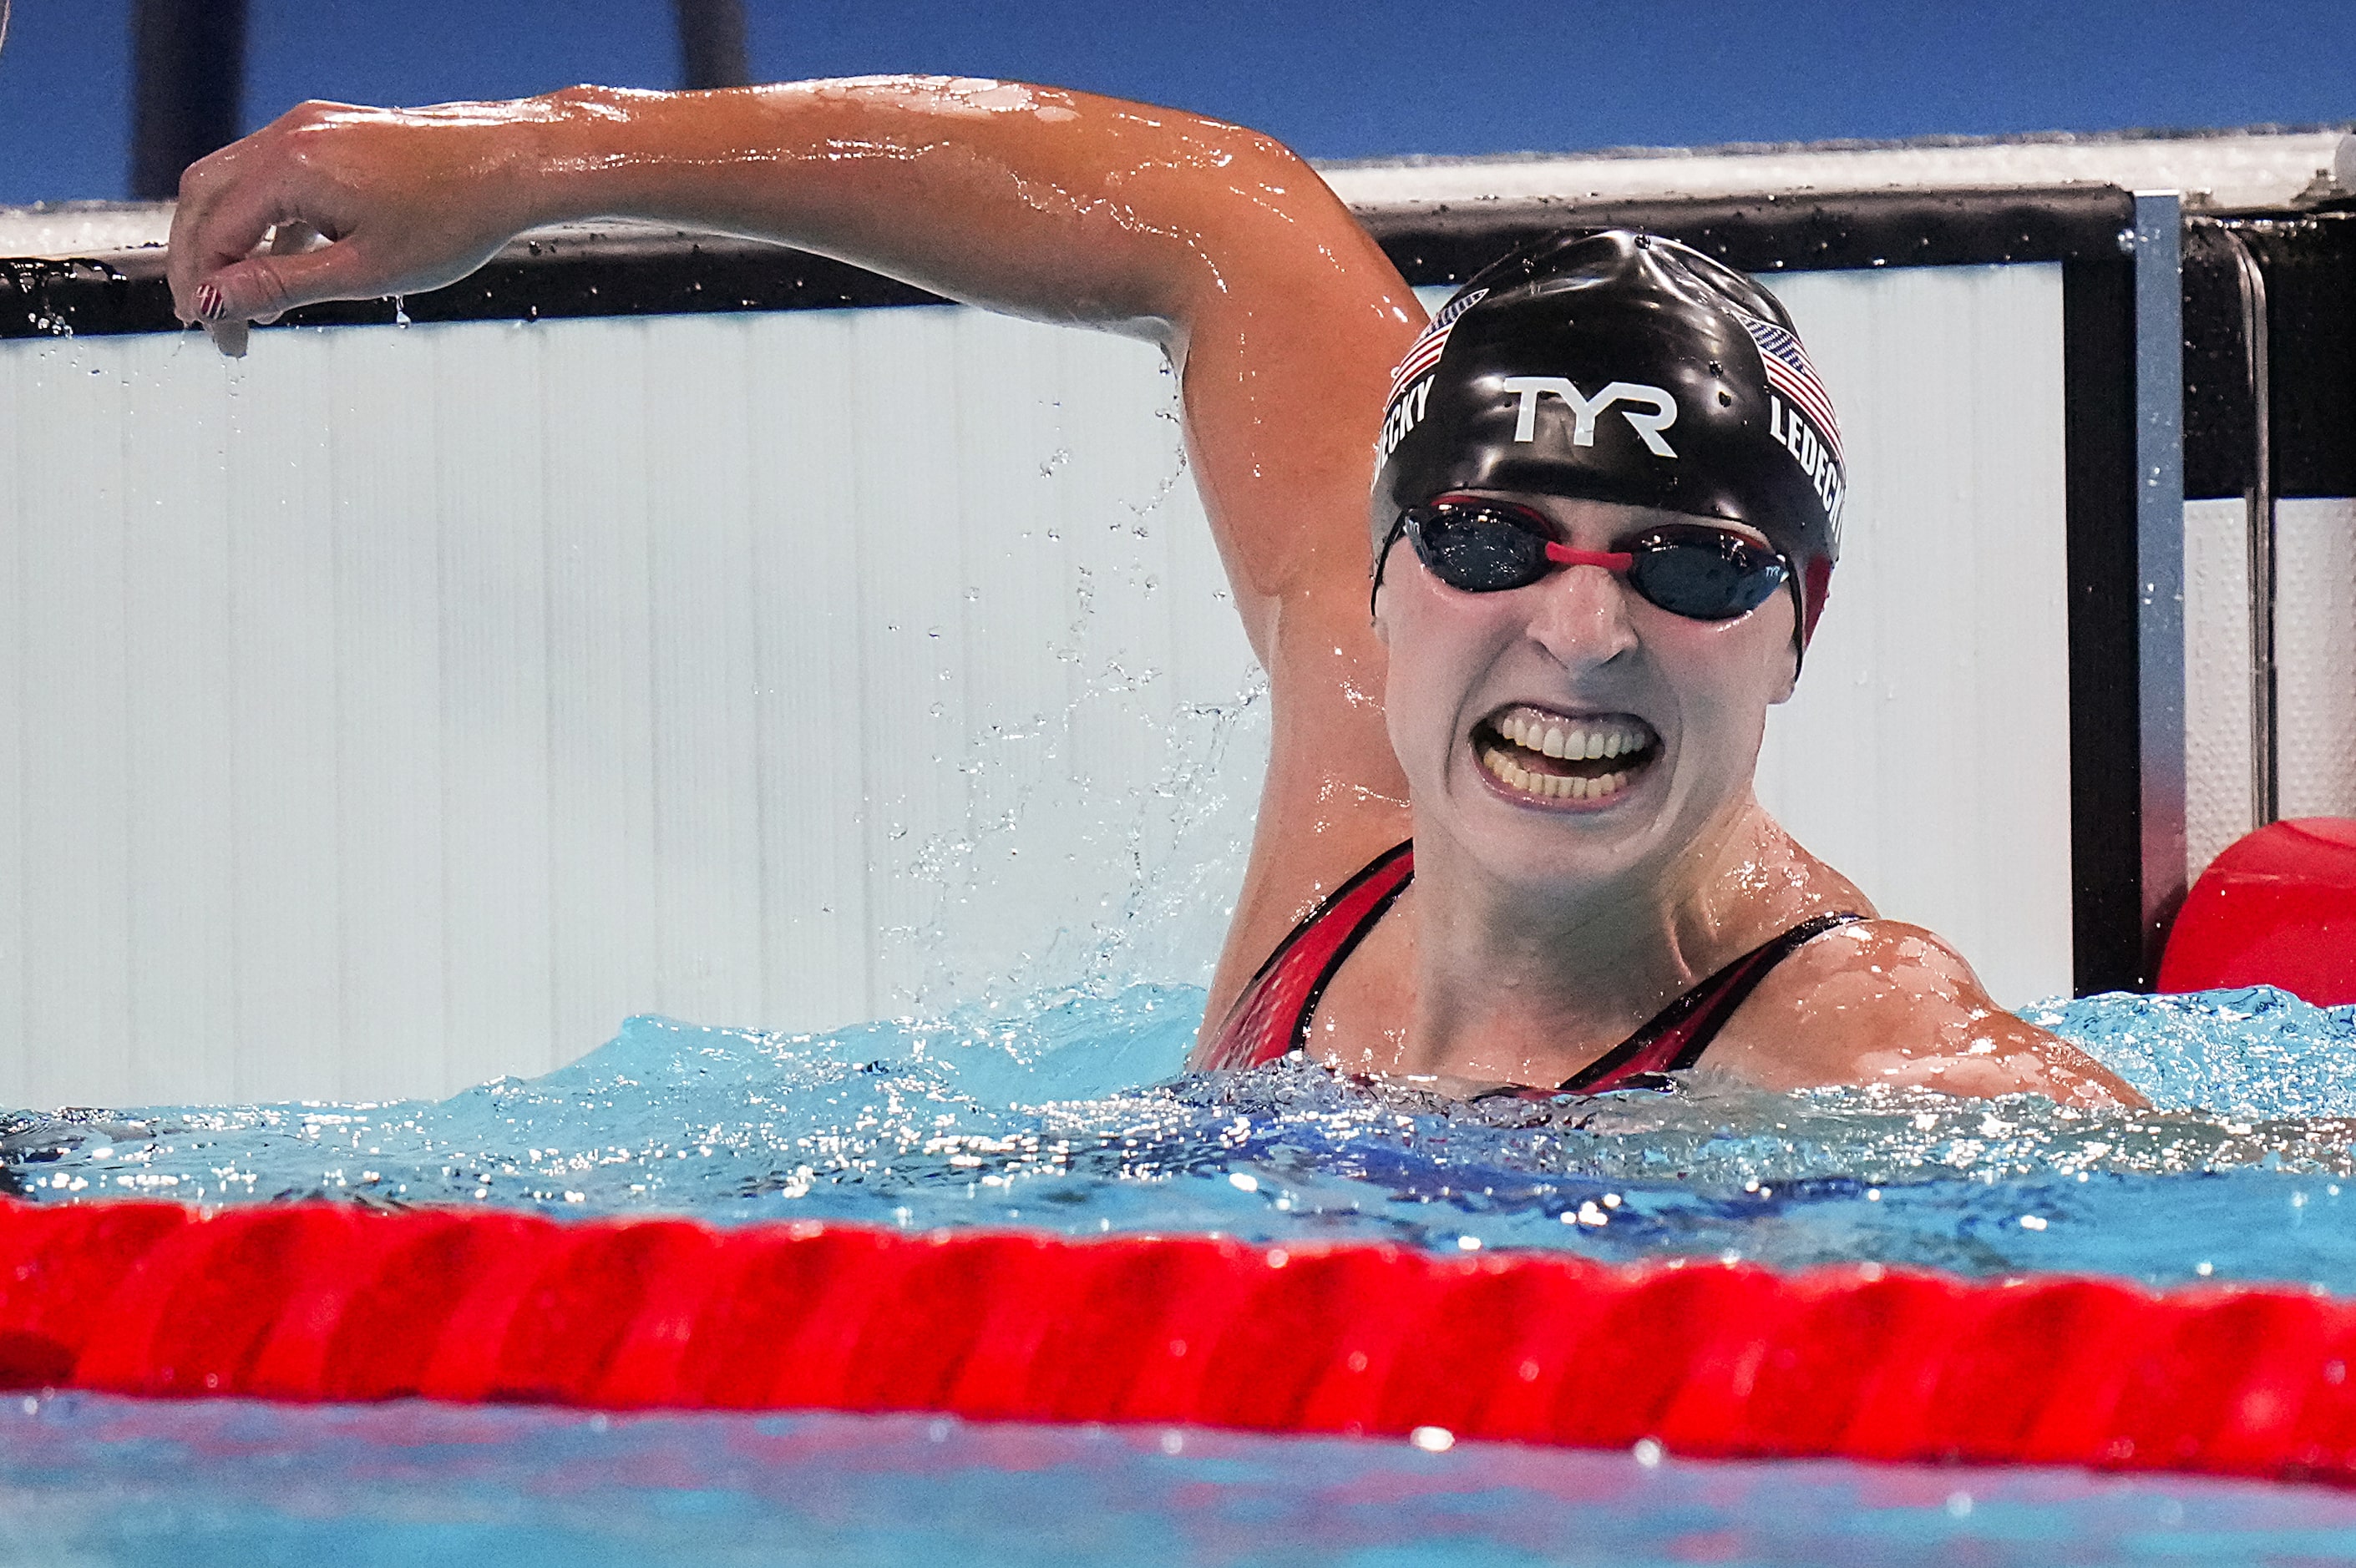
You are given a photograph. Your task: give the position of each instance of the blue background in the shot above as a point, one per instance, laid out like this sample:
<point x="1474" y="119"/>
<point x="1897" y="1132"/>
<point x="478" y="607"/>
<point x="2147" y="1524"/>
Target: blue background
<point x="1360" y="80"/>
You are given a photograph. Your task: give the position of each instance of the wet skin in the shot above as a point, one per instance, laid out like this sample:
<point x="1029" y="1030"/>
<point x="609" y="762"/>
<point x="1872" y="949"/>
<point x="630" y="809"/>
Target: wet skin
<point x="1539" y="931"/>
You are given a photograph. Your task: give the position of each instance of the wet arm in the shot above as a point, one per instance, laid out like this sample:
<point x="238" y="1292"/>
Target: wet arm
<point x="1212" y="240"/>
<point x="1281" y="314"/>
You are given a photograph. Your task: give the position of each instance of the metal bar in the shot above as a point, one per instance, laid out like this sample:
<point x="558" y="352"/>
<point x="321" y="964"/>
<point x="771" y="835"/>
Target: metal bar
<point x="2265" y="790"/>
<point x="188" y="65"/>
<point x="712" y="43"/>
<point x="2160" y="557"/>
<point x="650" y="270"/>
<point x="2107" y="951"/>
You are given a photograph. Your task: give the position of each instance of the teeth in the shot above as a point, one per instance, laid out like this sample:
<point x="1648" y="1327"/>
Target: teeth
<point x="1551" y="786"/>
<point x="1533" y="730"/>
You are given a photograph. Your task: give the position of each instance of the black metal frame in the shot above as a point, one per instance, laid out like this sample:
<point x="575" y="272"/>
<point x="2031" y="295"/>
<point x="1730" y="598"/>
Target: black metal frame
<point x="712" y="43"/>
<point x="188" y="76"/>
<point x="633" y="269"/>
<point x="188" y="87"/>
<point x="2309" y="260"/>
<point x="2110" y="952"/>
<point x="2270" y="402"/>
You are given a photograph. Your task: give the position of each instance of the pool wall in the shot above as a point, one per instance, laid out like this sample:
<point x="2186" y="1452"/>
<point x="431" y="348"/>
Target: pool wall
<point x="406" y="707"/>
<point x="2316" y="623"/>
<point x="408" y="704"/>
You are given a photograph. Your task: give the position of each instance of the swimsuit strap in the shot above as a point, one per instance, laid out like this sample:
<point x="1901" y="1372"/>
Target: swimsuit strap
<point x="1271" y="1016"/>
<point x="1678" y="1034"/>
<point x="1270" y="1019"/>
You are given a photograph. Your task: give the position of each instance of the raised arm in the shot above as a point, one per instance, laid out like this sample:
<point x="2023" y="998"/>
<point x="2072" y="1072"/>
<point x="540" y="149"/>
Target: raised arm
<point x="1281" y="315"/>
<point x="1212" y="240"/>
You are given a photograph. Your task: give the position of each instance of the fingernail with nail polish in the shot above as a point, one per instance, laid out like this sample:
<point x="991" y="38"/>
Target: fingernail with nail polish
<point x="208" y="303"/>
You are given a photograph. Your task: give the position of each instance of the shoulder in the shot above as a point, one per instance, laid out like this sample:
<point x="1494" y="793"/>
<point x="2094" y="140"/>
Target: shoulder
<point x="1880" y="1001"/>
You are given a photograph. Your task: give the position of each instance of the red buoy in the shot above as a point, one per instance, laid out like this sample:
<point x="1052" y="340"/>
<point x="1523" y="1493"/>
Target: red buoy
<point x="2278" y="908"/>
<point x="317" y="1301"/>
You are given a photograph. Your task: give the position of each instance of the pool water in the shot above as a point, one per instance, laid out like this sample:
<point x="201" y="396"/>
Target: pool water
<point x="197" y="1483"/>
<point x="1067" y="1110"/>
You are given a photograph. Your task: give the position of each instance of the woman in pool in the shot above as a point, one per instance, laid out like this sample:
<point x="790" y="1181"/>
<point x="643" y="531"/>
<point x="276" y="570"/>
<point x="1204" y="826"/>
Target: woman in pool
<point x="1604" y="514"/>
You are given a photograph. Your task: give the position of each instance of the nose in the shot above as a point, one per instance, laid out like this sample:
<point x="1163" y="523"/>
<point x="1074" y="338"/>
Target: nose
<point x="1581" y="615"/>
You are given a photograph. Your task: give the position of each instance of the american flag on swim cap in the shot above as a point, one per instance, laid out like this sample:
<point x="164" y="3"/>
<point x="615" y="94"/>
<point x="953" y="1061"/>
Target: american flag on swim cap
<point x="1789" y="372"/>
<point x="1434" y="341"/>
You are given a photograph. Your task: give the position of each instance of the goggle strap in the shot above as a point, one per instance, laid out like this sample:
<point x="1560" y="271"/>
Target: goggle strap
<point x="1608" y="560"/>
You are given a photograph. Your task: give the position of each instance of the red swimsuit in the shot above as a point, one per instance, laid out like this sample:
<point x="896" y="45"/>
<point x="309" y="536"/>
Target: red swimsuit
<point x="1272" y="1017"/>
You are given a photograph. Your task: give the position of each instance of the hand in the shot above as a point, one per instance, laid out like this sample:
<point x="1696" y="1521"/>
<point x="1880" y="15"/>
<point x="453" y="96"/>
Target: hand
<point x="356" y="204"/>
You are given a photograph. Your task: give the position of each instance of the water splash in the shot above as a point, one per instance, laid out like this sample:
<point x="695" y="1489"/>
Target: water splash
<point x="1067" y="1109"/>
<point x="2254" y="1052"/>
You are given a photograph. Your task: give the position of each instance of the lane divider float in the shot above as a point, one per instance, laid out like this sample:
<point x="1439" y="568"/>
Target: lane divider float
<point x="320" y="1301"/>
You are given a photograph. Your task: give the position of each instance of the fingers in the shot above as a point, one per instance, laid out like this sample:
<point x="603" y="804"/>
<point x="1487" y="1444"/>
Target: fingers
<point x="261" y="288"/>
<point x="403" y="204"/>
<point x="206" y="234"/>
<point x="290" y="240"/>
<point x="231" y="200"/>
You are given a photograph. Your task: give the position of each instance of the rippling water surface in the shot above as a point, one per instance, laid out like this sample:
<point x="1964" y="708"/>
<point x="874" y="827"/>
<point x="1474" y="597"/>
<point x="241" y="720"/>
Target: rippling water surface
<point x="1068" y="1110"/>
<point x="200" y="1483"/>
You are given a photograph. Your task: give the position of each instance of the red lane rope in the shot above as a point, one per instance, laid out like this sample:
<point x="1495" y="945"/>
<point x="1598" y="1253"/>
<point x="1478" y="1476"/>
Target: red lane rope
<point x="317" y="1301"/>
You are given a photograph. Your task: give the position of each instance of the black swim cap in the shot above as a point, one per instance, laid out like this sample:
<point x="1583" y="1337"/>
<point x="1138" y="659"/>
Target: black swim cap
<point x="1623" y="367"/>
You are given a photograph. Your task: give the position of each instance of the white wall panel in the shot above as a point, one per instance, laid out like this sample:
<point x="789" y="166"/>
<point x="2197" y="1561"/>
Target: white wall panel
<point x="20" y="379"/>
<point x="492" y="851"/>
<point x="2315" y="627"/>
<point x="395" y="708"/>
<point x="390" y="903"/>
<point x="2217" y="786"/>
<point x="180" y="965"/>
<point x="2315" y="667"/>
<point x="75" y="856"/>
<point x="286" y="832"/>
<point x="1927" y="751"/>
<point x="398" y="707"/>
<point x="810" y="707"/>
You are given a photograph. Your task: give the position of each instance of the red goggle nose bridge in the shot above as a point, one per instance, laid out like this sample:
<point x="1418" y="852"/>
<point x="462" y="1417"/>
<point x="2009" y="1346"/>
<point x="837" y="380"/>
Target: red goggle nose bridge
<point x="1608" y="560"/>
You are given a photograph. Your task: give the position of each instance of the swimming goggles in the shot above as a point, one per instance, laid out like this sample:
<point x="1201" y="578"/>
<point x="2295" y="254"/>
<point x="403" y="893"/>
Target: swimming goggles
<point x="1687" y="569"/>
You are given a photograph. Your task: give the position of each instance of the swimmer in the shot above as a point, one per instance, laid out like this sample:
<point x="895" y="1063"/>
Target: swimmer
<point x="1508" y="840"/>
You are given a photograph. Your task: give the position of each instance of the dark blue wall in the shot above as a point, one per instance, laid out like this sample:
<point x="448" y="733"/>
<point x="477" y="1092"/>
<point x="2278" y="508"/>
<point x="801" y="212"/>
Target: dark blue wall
<point x="1365" y="78"/>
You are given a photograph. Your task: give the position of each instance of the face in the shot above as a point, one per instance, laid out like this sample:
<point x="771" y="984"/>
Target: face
<point x="1568" y="732"/>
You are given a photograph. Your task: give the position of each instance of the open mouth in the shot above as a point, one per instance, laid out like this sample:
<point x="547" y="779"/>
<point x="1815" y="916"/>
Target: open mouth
<point x="1552" y="756"/>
